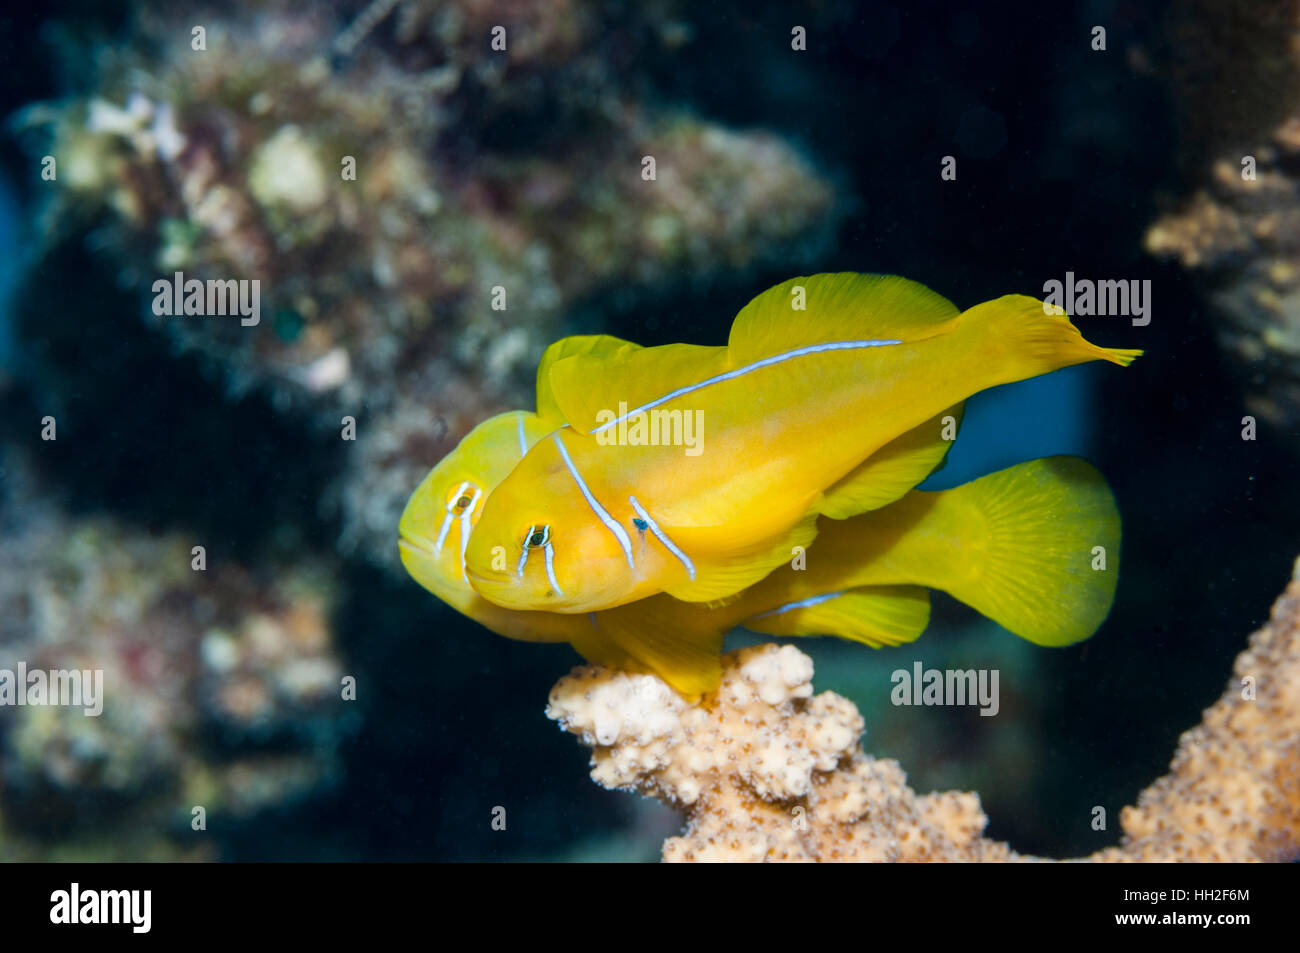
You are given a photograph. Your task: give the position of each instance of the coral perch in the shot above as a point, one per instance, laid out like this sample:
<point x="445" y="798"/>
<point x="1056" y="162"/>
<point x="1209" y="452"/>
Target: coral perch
<point x="765" y="770"/>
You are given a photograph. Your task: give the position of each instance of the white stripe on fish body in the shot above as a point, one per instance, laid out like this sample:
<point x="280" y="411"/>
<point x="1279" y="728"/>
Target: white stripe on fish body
<point x="550" y="570"/>
<point x="663" y="537"/>
<point x="523" y="556"/>
<point x="801" y="604"/>
<point x="741" y="371"/>
<point x="447" y="519"/>
<point x="442" y="532"/>
<point x="610" y="523"/>
<point x="523" y="442"/>
<point x="549" y="551"/>
<point x="465" y="528"/>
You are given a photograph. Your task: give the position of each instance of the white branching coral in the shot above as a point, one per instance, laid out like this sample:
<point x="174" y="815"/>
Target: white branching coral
<point x="766" y="771"/>
<point x="763" y="769"/>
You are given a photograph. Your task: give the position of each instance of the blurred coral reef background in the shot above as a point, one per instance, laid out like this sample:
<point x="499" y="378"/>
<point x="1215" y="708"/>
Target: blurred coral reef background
<point x="521" y="170"/>
<point x="1237" y="88"/>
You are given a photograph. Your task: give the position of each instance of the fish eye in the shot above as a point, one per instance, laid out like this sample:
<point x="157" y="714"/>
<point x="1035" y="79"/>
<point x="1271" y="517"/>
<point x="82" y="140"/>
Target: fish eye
<point x="462" y="497"/>
<point x="537" y="536"/>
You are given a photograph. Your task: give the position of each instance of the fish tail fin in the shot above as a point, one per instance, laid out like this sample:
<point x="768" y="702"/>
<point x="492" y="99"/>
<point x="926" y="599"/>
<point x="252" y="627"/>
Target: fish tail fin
<point x="1043" y="553"/>
<point x="1038" y="336"/>
<point x="873" y="615"/>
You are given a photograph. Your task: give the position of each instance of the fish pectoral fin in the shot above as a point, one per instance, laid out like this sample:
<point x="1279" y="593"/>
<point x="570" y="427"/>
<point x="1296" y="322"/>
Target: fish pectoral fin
<point x="719" y="577"/>
<point x="1044" y="530"/>
<point x="894" y="469"/>
<point x="820" y="309"/>
<point x="589" y="389"/>
<point x="591" y="642"/>
<point x="599" y="346"/>
<point x="655" y="633"/>
<point x="876" y="616"/>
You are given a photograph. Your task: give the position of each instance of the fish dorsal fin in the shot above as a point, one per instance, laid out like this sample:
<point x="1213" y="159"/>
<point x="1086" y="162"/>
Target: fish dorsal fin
<point x="835" y="308"/>
<point x="488" y="453"/>
<point x="655" y="634"/>
<point x="875" y="615"/>
<point x="895" y="468"/>
<point x="591" y="388"/>
<point x="842" y="306"/>
<point x="719" y="577"/>
<point x="600" y="346"/>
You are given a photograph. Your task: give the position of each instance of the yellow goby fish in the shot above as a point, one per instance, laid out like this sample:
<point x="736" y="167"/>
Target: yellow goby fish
<point x="792" y="407"/>
<point x="1016" y="545"/>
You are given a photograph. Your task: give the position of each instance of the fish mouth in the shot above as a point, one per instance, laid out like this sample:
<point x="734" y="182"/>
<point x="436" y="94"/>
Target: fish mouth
<point x="415" y="544"/>
<point x="420" y="563"/>
<point x="492" y="580"/>
<point x="499" y="588"/>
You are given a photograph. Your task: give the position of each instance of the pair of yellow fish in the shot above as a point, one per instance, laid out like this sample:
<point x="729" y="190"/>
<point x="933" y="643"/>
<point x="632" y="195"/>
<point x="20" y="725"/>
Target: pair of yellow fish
<point x="816" y="414"/>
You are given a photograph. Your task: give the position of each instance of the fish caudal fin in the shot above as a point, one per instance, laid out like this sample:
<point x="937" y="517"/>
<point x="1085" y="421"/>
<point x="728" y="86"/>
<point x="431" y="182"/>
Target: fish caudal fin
<point x="1036" y="337"/>
<point x="895" y="468"/>
<point x="1044" y="555"/>
<point x="876" y="616"/>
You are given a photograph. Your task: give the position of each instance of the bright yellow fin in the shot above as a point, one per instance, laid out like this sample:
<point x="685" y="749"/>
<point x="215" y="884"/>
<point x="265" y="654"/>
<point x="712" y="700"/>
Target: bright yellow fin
<point x="835" y="307"/>
<point x="1049" y="564"/>
<point x="895" y="468"/>
<point x="596" y="646"/>
<point x="584" y="385"/>
<point x="876" y="616"/>
<point x="601" y="346"/>
<point x="1034" y="547"/>
<point x="842" y="306"/>
<point x="1039" y="335"/>
<point x="687" y="657"/>
<point x="718" y="578"/>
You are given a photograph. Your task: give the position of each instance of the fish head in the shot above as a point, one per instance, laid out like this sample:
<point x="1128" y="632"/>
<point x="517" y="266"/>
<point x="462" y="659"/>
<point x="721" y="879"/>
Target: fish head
<point x="545" y="541"/>
<point x="436" y="524"/>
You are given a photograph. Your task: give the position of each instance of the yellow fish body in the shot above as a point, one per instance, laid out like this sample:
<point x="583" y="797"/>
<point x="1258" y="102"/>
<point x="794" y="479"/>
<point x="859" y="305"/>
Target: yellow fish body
<point x="792" y="407"/>
<point x="1015" y="545"/>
